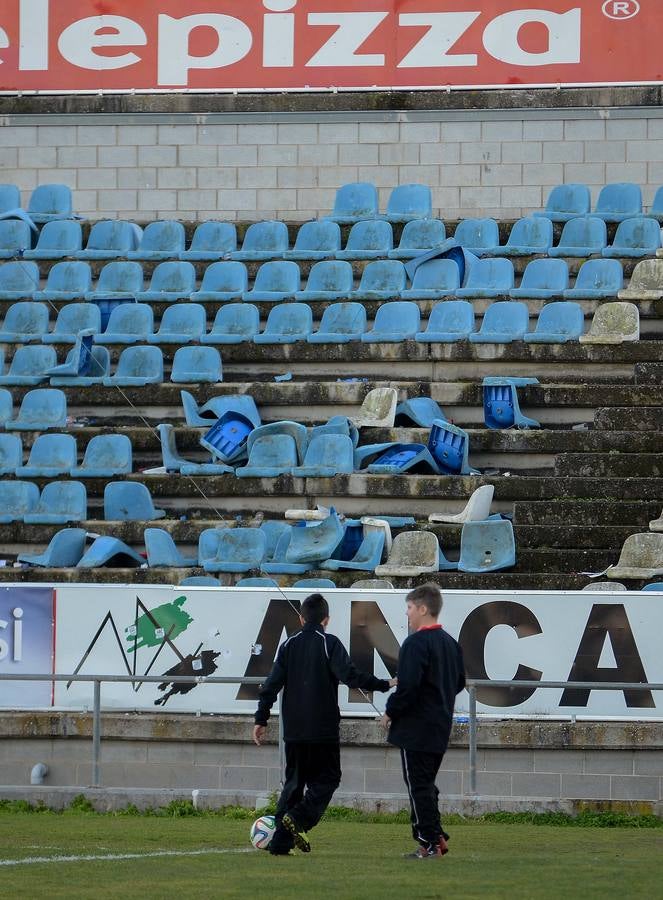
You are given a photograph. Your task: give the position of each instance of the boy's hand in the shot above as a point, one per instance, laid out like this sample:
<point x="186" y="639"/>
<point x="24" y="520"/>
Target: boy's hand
<point x="385" y="721"/>
<point x="393" y="682"/>
<point x="259" y="733"/>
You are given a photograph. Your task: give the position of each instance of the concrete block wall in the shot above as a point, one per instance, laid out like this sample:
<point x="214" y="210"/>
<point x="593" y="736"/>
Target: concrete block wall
<point x="248" y="166"/>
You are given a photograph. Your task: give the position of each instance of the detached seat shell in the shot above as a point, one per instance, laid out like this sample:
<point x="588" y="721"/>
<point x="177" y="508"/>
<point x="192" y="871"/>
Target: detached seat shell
<point x="64" y="550"/>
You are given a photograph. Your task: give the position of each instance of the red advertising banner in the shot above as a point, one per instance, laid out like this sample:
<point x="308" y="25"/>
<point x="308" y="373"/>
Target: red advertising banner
<point x="59" y="46"/>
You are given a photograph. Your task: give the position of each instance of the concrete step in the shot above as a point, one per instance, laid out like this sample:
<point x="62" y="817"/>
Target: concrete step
<point x="610" y="465"/>
<point x="586" y="513"/>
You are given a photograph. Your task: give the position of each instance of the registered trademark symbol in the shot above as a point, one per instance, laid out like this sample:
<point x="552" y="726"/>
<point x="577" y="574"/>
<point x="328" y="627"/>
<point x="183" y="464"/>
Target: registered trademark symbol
<point x="621" y="9"/>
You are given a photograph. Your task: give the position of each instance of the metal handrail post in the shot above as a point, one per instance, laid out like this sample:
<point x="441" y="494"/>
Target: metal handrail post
<point x="96" y="734"/>
<point x="472" y="691"/>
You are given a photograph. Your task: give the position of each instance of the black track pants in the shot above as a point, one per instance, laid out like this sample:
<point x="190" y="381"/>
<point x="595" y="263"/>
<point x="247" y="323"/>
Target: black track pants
<point x="419" y="773"/>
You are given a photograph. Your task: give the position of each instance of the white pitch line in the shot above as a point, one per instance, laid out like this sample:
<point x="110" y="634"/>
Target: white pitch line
<point x="36" y="860"/>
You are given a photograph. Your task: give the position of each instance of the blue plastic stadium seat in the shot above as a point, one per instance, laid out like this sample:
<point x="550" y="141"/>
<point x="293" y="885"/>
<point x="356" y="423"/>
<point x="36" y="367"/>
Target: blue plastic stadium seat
<point x="488" y="278"/>
<point x="315" y="584"/>
<point x="635" y="238"/>
<point x="65" y="549"/>
<point x="366" y="557"/>
<point x="180" y="324"/>
<point x="408" y="202"/>
<point x="394" y="458"/>
<point x="450" y="446"/>
<point x="60" y="502"/>
<point x="433" y="280"/>
<point x="418" y="411"/>
<point x="557" y="323"/>
<point x="129" y="501"/>
<point x="327" y="455"/>
<point x="566" y="201"/>
<point x="653" y="586"/>
<point x="196" y="365"/>
<point x="395" y="321"/>
<point x="417" y="237"/>
<point x="11" y="453"/>
<point x="160" y="240"/>
<point x="162" y="551"/>
<point x="78" y="361"/>
<point x="173" y="462"/>
<point x="18" y="280"/>
<point x="17" y="499"/>
<point x="25" y="321"/>
<point x="597" y="279"/>
<point x="30" y="365"/>
<point x="368" y="240"/>
<point x="170" y="281"/>
<point x="15" y="237"/>
<point x="105" y="551"/>
<point x="41" y="409"/>
<point x="529" y="235"/>
<point x="50" y="455"/>
<point x="477" y="235"/>
<point x="6" y="405"/>
<point x="503" y="322"/>
<point x="238" y="550"/>
<point x="355" y="202"/>
<point x="136" y="367"/>
<point x="67" y="281"/>
<point x="222" y="281"/>
<point x="542" y="279"/>
<point x="657" y="212"/>
<point x="200" y="581"/>
<point x="258" y="581"/>
<point x="118" y="280"/>
<point x="57" y="240"/>
<point x="234" y="323"/>
<point x="340" y="324"/>
<point x="10" y="197"/>
<point x="110" y="239"/>
<point x="73" y="319"/>
<point x="382" y="279"/>
<point x="296" y="430"/>
<point x="320" y="239"/>
<point x="106" y="456"/>
<point x="208" y="544"/>
<point x="128" y="323"/>
<point x="262" y="241"/>
<point x="450" y="320"/>
<point x="242" y="405"/>
<point x="49" y="202"/>
<point x="273" y="530"/>
<point x="270" y="455"/>
<point x="287" y="324"/>
<point x="487" y="546"/>
<point x="501" y="408"/>
<point x="619" y="201"/>
<point x="328" y="280"/>
<point x="316" y="542"/>
<point x="91" y="366"/>
<point x="581" y="237"/>
<point x="278" y="564"/>
<point x="211" y="240"/>
<point x="227" y="439"/>
<point x="336" y="425"/>
<point x="279" y="280"/>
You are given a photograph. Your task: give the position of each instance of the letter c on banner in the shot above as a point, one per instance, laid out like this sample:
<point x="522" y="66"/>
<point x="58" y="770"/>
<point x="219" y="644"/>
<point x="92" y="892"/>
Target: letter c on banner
<point x="234" y="42"/>
<point x="500" y="37"/>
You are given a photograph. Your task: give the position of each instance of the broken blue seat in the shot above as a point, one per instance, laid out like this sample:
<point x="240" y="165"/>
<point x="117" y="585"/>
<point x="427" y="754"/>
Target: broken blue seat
<point x="433" y="280"/>
<point x="450" y="320"/>
<point x="635" y="238"/>
<point x="49" y="202"/>
<point x="222" y="281"/>
<point x="529" y="235"/>
<point x="109" y="551"/>
<point x="73" y="319"/>
<point x="501" y="408"/>
<point x="597" y="279"/>
<point x="129" y="501"/>
<point x="238" y="550"/>
<point x="488" y="278"/>
<point x="78" y="360"/>
<point x="566" y="201"/>
<point x="382" y="279"/>
<point x="173" y="462"/>
<point x="211" y="241"/>
<point x="417" y="237"/>
<point x="368" y="240"/>
<point x="542" y="279"/>
<point x="581" y="237"/>
<point x="67" y="281"/>
<point x="315" y="584"/>
<point x="408" y="202"/>
<point x="274" y="281"/>
<point x="313" y="543"/>
<point x="340" y="324"/>
<point x="50" y="455"/>
<point x="106" y="456"/>
<point x="270" y="455"/>
<point x="10" y="197"/>
<point x="418" y="411"/>
<point x="162" y="551"/>
<point x="30" y="365"/>
<point x="200" y="581"/>
<point x="240" y="405"/>
<point x="328" y="280"/>
<point x="449" y="446"/>
<point x="60" y="502"/>
<point x="118" y="280"/>
<point x="128" y="324"/>
<point x="160" y="240"/>
<point x="336" y="425"/>
<point x="25" y="321"/>
<point x="15" y="237"/>
<point x="83" y="366"/>
<point x="196" y="365"/>
<point x="294" y="430"/>
<point x="477" y="235"/>
<point x="110" y="239"/>
<point x="273" y="529"/>
<point x="394" y="458"/>
<point x="17" y="499"/>
<point x="354" y="202"/>
<point x="365" y="558"/>
<point x="487" y="546"/>
<point x="320" y="239"/>
<point x="208" y="544"/>
<point x="170" y="281"/>
<point x="136" y="367"/>
<point x="235" y="323"/>
<point x="64" y="550"/>
<point x="557" y="323"/>
<point x="262" y="241"/>
<point x="181" y="323"/>
<point x="11" y="453"/>
<point x="327" y="455"/>
<point x="278" y="564"/>
<point x="503" y="322"/>
<point x="41" y="409"/>
<point x="618" y="201"/>
<point x="57" y="240"/>
<point x="395" y="321"/>
<point x="18" y="280"/>
<point x="287" y="324"/>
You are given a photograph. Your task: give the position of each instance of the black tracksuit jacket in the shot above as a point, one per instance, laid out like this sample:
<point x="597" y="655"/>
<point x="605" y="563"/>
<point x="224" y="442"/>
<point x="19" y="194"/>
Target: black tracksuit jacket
<point x="309" y="667"/>
<point x="430" y="674"/>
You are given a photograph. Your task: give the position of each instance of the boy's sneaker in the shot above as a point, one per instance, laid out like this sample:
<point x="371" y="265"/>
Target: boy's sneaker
<point x="301" y="841"/>
<point x="434" y="851"/>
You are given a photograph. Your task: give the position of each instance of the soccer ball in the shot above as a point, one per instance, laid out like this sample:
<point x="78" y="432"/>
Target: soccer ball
<point x="262" y="832"/>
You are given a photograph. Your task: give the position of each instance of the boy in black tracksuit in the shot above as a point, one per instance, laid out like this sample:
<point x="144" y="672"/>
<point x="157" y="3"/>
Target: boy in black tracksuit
<point x="309" y="667"/>
<point x="420" y="711"/>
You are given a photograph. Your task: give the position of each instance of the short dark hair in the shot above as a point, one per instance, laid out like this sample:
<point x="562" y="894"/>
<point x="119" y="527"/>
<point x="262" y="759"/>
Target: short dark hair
<point x="427" y="595"/>
<point x="315" y="609"/>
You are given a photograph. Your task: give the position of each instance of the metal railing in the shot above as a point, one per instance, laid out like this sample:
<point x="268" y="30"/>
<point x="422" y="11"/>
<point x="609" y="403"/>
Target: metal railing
<point x="472" y="685"/>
